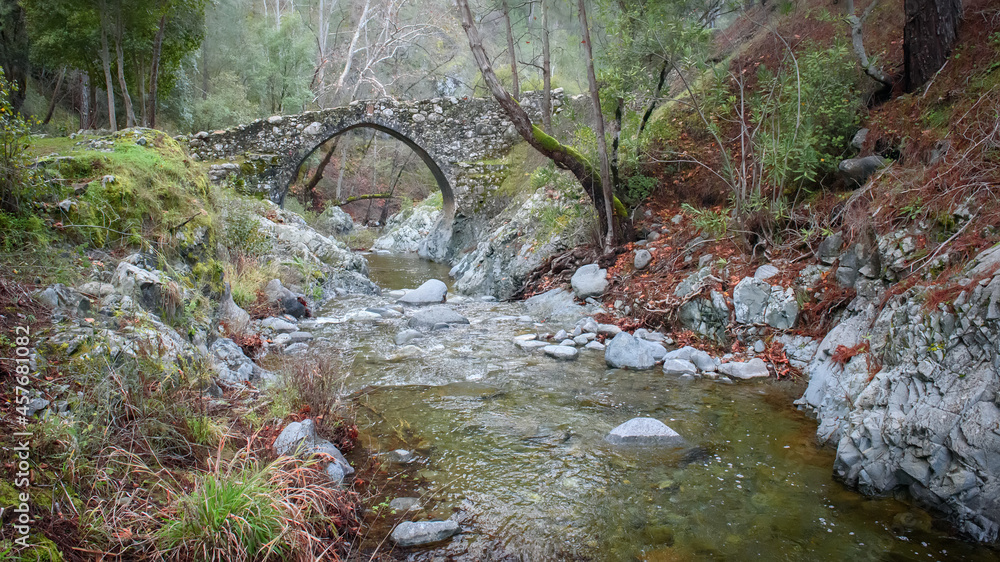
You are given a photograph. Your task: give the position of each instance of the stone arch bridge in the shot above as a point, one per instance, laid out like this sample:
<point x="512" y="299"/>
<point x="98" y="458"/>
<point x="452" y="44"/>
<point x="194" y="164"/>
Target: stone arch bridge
<point x="460" y="140"/>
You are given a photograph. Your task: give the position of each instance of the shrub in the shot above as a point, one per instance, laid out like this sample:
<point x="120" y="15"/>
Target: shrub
<point x="243" y="238"/>
<point x="227" y="517"/>
<point x="17" y="178"/>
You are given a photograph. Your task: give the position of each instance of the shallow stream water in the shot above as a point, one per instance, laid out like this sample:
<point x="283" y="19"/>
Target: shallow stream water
<point x="512" y="443"/>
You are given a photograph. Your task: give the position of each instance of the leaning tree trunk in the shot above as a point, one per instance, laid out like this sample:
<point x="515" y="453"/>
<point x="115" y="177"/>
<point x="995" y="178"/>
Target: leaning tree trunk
<point x="929" y="34"/>
<point x="55" y="97"/>
<point x="129" y="112"/>
<point x="565" y="157"/>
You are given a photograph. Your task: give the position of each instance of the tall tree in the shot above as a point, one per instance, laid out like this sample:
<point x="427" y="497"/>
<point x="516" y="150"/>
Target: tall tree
<point x="14" y="49"/>
<point x="546" y="71"/>
<point x="929" y="35"/>
<point x="515" y="85"/>
<point x="563" y="156"/>
<point x="109" y="86"/>
<point x="602" y="141"/>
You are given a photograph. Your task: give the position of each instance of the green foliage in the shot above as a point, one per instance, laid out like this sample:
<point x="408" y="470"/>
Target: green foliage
<point x="205" y="430"/>
<point x="225" y="105"/>
<point x="799" y="148"/>
<point x="228" y="516"/>
<point x="242" y="237"/>
<point x="542" y="176"/>
<point x="67" y="33"/>
<point x="140" y="194"/>
<point x="22" y="232"/>
<point x="636" y="189"/>
<point x="435" y="200"/>
<point x="708" y="221"/>
<point x="17" y="179"/>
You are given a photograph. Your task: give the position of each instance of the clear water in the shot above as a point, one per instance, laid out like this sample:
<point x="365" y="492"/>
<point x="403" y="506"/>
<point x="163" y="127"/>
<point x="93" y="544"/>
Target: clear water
<point x="513" y="443"/>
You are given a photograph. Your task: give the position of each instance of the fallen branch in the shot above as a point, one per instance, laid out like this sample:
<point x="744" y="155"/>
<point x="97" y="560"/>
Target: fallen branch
<point x="354" y="198"/>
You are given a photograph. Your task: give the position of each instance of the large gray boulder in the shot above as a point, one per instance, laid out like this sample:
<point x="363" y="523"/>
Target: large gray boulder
<point x="234" y="319"/>
<point x="288" y="301"/>
<point x="59" y="296"/>
<point x="754" y="368"/>
<point x="644" y="431"/>
<point x="856" y="171"/>
<point x="556" y="305"/>
<point x="678" y="367"/>
<point x="432" y="291"/>
<point x="278" y="325"/>
<point x="561" y="352"/>
<point x="295" y="438"/>
<point x="299" y="439"/>
<point x="589" y="281"/>
<point x="703" y="361"/>
<point x="417" y="533"/>
<point x="334" y="221"/>
<point x="750" y="300"/>
<point x="782" y="309"/>
<point x="757" y="302"/>
<point x="232" y="367"/>
<point x="428" y="318"/>
<point x="626" y="351"/>
<point x="642" y="259"/>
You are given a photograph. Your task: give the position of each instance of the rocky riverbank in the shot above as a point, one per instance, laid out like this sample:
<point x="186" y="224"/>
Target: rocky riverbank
<point x="902" y="380"/>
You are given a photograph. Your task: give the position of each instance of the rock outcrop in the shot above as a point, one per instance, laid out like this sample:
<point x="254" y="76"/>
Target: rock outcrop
<point x="912" y="405"/>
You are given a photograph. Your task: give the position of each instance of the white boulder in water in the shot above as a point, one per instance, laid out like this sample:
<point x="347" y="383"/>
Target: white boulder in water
<point x="644" y="431"/>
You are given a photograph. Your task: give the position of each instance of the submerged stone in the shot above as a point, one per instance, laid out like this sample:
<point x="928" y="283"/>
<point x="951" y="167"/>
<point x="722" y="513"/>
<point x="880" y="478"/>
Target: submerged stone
<point x="411" y="533"/>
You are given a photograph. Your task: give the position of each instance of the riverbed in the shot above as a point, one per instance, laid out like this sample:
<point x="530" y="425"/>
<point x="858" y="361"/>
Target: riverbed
<point x="512" y="444"/>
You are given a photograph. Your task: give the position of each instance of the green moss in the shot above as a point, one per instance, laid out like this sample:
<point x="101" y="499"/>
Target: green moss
<point x="42" y="549"/>
<point x="434" y="201"/>
<point x="620" y="210"/>
<point x="135" y="194"/>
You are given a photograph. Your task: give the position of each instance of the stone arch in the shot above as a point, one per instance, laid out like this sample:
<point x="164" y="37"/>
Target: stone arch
<point x="299" y="157"/>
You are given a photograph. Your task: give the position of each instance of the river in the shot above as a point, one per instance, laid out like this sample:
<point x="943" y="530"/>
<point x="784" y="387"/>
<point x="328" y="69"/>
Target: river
<point x="512" y="444"/>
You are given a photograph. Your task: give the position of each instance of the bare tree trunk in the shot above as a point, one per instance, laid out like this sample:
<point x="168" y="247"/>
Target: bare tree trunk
<point x="546" y="72"/>
<point x="340" y="172"/>
<point x="129" y="113"/>
<point x="154" y="72"/>
<point x="314" y="181"/>
<point x="602" y="142"/>
<point x="93" y="118"/>
<point x="353" y="46"/>
<point x="55" y="96"/>
<point x="652" y="103"/>
<point x="204" y="69"/>
<point x="616" y="135"/>
<point x="515" y="85"/>
<point x="106" y="63"/>
<point x="929" y="34"/>
<point x="564" y="157"/>
<point x="84" y="100"/>
<point x="857" y="40"/>
<point x="322" y="39"/>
